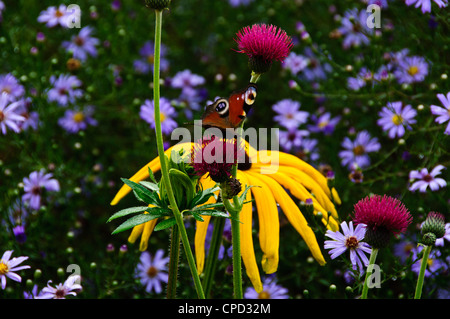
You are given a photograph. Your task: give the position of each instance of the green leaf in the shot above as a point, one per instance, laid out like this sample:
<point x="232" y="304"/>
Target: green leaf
<point x="197" y="217"/>
<point x="142" y="193"/>
<point x="128" y="211"/>
<point x="178" y="177"/>
<point x="203" y="196"/>
<point x="152" y="176"/>
<point x="212" y="212"/>
<point x="165" y="224"/>
<point x="207" y="206"/>
<point x="134" y="221"/>
<point x="152" y="186"/>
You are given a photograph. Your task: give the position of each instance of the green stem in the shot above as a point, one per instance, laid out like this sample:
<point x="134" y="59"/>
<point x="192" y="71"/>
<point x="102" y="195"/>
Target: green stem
<point x="164" y="171"/>
<point x="236" y="244"/>
<point x="213" y="253"/>
<point x="373" y="257"/>
<point x="173" y="263"/>
<point x="423" y="267"/>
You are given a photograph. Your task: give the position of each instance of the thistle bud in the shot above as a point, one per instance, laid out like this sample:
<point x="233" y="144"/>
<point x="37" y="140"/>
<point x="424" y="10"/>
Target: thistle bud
<point x="433" y="225"/>
<point x="157" y="4"/>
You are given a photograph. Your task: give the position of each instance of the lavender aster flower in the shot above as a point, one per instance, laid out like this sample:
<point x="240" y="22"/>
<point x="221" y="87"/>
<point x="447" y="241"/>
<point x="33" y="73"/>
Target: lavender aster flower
<point x="356" y="151"/>
<point x="76" y="120"/>
<point x="291" y="139"/>
<point x="425" y="5"/>
<point x="394" y="118"/>
<point x="166" y="111"/>
<point x="70" y="287"/>
<point x="271" y="290"/>
<point x="349" y="239"/>
<point x="443" y="113"/>
<point x="8" y="267"/>
<point x="153" y="271"/>
<point x="65" y="89"/>
<point x="8" y="117"/>
<point x="145" y="63"/>
<point x="186" y="78"/>
<point x="288" y="114"/>
<point x="324" y="123"/>
<point x="236" y="3"/>
<point x="427" y="179"/>
<point x="34" y="185"/>
<point x="54" y="16"/>
<point x="295" y="63"/>
<point x="411" y="69"/>
<point x="82" y="45"/>
<point x="354" y="28"/>
<point x="10" y="85"/>
<point x="434" y="263"/>
<point x="315" y="69"/>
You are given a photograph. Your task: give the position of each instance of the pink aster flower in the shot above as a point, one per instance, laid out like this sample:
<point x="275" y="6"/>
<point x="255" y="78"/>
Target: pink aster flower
<point x="263" y="44"/>
<point x="383" y="216"/>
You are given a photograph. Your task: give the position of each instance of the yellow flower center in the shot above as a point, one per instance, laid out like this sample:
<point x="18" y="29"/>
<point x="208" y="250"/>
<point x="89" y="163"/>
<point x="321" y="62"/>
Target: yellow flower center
<point x="322" y="124"/>
<point x="58" y="14"/>
<point x="413" y="70"/>
<point x="352" y="242"/>
<point x="397" y="119"/>
<point x="162" y="116"/>
<point x="6" y="89"/>
<point x="3" y="268"/>
<point x="2" y="116"/>
<point x="264" y="295"/>
<point x="150" y="58"/>
<point x="78" y="117"/>
<point x="430" y="262"/>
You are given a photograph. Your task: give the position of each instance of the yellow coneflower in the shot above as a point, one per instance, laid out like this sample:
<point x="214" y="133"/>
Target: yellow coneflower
<point x="272" y="173"/>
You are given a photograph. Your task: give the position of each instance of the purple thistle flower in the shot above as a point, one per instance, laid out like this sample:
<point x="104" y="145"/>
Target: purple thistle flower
<point x="82" y="45"/>
<point x="354" y="28"/>
<point x="427" y="179"/>
<point x="324" y="123"/>
<point x="65" y="89"/>
<point x="394" y="118"/>
<point x="270" y="290"/>
<point x="356" y="151"/>
<point x="74" y="121"/>
<point x="263" y="44"/>
<point x="53" y="16"/>
<point x="153" y="271"/>
<point x="8" y="116"/>
<point x="34" y="185"/>
<point x="425" y="5"/>
<point x="349" y="239"/>
<point x="443" y="113"/>
<point x="167" y="113"/>
<point x="10" y="85"/>
<point x="288" y="114"/>
<point x="411" y="69"/>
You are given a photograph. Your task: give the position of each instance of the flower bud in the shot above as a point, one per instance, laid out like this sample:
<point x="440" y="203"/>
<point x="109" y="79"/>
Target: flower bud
<point x="157" y="4"/>
<point x="429" y="239"/>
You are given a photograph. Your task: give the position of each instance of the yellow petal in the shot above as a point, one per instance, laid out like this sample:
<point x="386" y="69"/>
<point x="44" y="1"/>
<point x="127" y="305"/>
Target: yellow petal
<point x="269" y="225"/>
<point x="247" y="250"/>
<point x="294" y="215"/>
<point x="147" y="231"/>
<point x="135" y="233"/>
<point x="202" y="227"/>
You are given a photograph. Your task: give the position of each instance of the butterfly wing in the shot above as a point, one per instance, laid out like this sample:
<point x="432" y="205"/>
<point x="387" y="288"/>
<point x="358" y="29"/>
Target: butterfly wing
<point x="229" y="113"/>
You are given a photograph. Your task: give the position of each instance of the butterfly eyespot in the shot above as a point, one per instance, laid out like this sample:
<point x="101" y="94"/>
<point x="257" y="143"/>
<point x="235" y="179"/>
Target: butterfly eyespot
<point x="222" y="106"/>
<point x="250" y="96"/>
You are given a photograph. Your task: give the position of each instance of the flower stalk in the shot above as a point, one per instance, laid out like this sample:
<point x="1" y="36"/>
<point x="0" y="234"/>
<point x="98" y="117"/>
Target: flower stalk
<point x="373" y="257"/>
<point x="421" y="277"/>
<point x="164" y="168"/>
